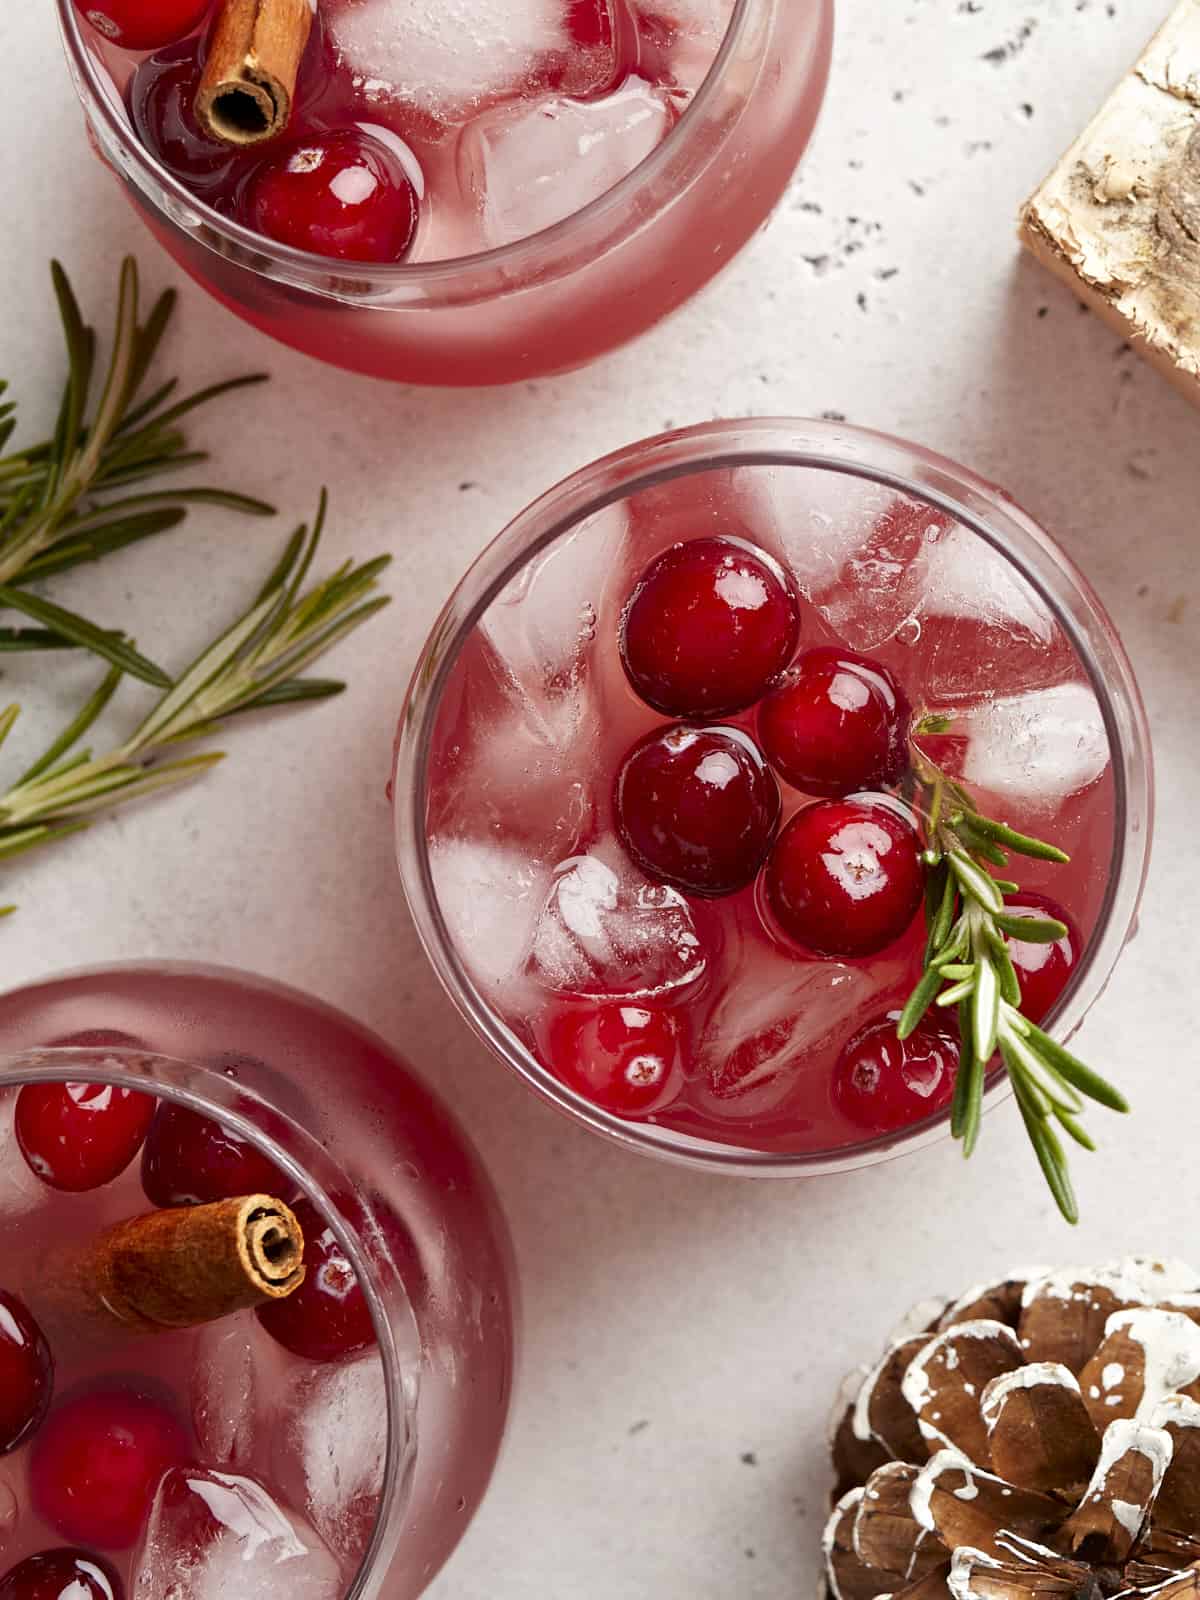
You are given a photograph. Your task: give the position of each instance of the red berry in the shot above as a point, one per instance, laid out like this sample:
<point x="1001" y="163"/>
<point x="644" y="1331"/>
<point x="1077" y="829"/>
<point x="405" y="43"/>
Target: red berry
<point x="26" y="1373"/>
<point x="62" y="1575"/>
<point x="162" y="94"/>
<point x="709" y="626"/>
<point x="590" y="23"/>
<point x="697" y="807"/>
<point x="79" y="1136"/>
<point x="190" y="1160"/>
<point x="624" y="1057"/>
<point x="882" y="1083"/>
<point x="98" y="1459"/>
<point x="143" y="24"/>
<point x="837" y="723"/>
<point x="1042" y="969"/>
<point x="326" y="1318"/>
<point x="844" y="877"/>
<point x="343" y="195"/>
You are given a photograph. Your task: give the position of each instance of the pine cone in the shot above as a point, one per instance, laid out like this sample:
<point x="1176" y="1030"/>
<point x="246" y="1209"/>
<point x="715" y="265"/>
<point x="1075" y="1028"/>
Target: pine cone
<point x="1038" y="1439"/>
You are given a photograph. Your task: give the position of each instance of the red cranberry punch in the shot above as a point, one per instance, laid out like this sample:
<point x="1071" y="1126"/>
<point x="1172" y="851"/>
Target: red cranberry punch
<point x="772" y="794"/>
<point x="461" y="194"/>
<point x="256" y="1337"/>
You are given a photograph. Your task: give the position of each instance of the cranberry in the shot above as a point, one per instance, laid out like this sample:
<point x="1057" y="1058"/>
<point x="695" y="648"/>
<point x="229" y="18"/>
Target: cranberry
<point x="709" y="626"/>
<point x="79" y="1136"/>
<point x="1042" y="969"/>
<point x="844" y="877"/>
<point x="836" y="724"/>
<point x="162" y="94"/>
<point x="697" y="807"/>
<point x="190" y="1159"/>
<point x="326" y="1318"/>
<point x="882" y="1083"/>
<point x="624" y="1057"/>
<point x="98" y="1459"/>
<point x="26" y="1373"/>
<point x="590" y="23"/>
<point x="343" y="195"/>
<point x="143" y="24"/>
<point x="62" y="1575"/>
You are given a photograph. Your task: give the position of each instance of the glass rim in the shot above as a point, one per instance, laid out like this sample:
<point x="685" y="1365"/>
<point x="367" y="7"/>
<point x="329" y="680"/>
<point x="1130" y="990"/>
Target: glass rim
<point x="509" y="258"/>
<point x="192" y="1085"/>
<point x="849" y="451"/>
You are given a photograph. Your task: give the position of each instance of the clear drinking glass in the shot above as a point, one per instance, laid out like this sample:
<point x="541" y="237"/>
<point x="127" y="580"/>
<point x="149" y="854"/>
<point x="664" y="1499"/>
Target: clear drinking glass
<point x="544" y="304"/>
<point x="898" y="553"/>
<point x="343" y="1117"/>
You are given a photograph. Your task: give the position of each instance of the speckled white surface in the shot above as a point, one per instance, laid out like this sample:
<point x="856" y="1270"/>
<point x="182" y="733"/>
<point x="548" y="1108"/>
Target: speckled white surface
<point x="684" y="1335"/>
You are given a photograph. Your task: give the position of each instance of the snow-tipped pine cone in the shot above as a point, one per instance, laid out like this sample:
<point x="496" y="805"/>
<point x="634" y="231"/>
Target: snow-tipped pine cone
<point x="1038" y="1439"/>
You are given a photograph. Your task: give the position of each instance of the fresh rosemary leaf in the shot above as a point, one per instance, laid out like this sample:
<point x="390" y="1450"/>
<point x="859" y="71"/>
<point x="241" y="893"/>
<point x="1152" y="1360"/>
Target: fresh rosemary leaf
<point x="75" y="729"/>
<point x="78" y="630"/>
<point x="1075" y="1072"/>
<point x="1032" y="930"/>
<point x="919" y="1002"/>
<point x="1038" y="849"/>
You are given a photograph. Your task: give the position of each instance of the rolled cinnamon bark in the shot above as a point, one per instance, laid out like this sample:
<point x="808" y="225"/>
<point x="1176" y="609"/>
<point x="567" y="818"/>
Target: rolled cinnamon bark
<point x="176" y="1268"/>
<point x="249" y="79"/>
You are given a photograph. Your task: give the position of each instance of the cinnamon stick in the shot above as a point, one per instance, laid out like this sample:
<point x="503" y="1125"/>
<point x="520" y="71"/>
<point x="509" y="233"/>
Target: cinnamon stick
<point x="177" y="1268"/>
<point x="249" y="79"/>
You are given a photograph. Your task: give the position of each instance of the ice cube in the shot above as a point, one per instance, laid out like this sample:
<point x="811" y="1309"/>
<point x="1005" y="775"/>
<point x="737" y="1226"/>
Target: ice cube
<point x="856" y="549"/>
<point x="20" y="1191"/>
<point x="607" y="929"/>
<point x="984" y="623"/>
<point x="530" y="163"/>
<point x="443" y="56"/>
<point x="1035" y="749"/>
<point x="237" y="1375"/>
<point x="491" y="896"/>
<point x="332" y="1451"/>
<point x="774" y="1012"/>
<point x="707" y="19"/>
<point x="213" y="1536"/>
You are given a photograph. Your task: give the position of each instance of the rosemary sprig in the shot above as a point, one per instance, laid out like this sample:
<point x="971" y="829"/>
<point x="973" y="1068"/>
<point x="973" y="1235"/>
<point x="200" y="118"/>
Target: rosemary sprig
<point x="968" y="968"/>
<point x="255" y="664"/>
<point x="63" y="501"/>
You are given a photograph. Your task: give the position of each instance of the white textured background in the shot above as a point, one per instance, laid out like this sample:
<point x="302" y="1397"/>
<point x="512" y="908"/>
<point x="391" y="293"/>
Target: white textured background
<point x="683" y="1334"/>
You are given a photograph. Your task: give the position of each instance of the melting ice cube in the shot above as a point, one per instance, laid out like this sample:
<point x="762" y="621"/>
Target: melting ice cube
<point x="238" y="1384"/>
<point x="213" y="1536"/>
<point x="857" y="550"/>
<point x="491" y="896"/>
<point x="607" y="929"/>
<point x="775" y="1010"/>
<point x="530" y="163"/>
<point x="444" y="56"/>
<point x="1037" y="748"/>
<point x="986" y="624"/>
<point x="332" y="1450"/>
<point x="20" y="1191"/>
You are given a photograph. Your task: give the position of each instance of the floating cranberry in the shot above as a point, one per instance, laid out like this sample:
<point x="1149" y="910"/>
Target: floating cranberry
<point x="837" y="723"/>
<point x="26" y="1373"/>
<point x="143" y="24"/>
<point x="98" y="1459"/>
<point x="326" y="1318"/>
<point x="623" y="1056"/>
<point x="709" y="626"/>
<point x="62" y="1575"/>
<point x="190" y="1159"/>
<point x="697" y="807"/>
<point x="590" y="23"/>
<point x="883" y="1083"/>
<point x="343" y="195"/>
<point x="79" y="1136"/>
<point x="162" y="95"/>
<point x="844" y="877"/>
<point x="1042" y="969"/>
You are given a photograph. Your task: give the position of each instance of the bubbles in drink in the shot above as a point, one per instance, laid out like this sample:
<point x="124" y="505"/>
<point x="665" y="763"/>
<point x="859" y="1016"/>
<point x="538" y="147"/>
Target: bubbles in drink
<point x="528" y="164"/>
<point x="214" y="1535"/>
